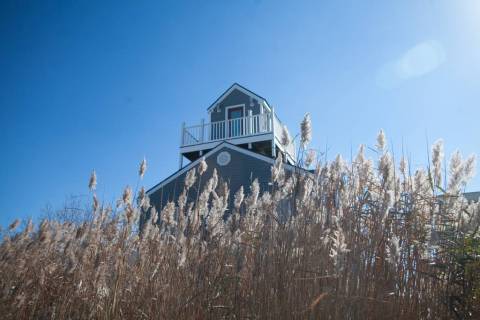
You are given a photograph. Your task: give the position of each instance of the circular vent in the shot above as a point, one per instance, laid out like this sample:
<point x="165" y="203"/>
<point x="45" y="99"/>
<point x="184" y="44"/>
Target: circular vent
<point x="223" y="158"/>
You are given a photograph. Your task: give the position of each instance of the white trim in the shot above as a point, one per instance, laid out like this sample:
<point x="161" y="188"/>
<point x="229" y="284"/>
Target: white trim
<point x="235" y="106"/>
<point x="266" y="105"/>
<point x="183" y="170"/>
<point x="211" y="152"/>
<point x="227" y="124"/>
<point x="241" y="89"/>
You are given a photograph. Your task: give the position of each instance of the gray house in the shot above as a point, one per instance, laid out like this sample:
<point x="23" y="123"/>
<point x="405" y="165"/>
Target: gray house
<point x="241" y="141"/>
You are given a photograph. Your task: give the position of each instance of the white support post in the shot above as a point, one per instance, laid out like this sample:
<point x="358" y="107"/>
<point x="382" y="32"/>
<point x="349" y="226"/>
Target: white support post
<point x="272" y="123"/>
<point x="202" y="133"/>
<point x="182" y="135"/>
<point x="250" y="122"/>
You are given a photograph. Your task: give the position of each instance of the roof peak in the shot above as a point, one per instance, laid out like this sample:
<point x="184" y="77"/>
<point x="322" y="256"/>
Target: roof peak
<point x="241" y="88"/>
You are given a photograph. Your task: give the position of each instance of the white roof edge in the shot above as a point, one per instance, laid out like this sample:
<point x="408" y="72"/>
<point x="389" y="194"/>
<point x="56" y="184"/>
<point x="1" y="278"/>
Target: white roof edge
<point x="184" y="169"/>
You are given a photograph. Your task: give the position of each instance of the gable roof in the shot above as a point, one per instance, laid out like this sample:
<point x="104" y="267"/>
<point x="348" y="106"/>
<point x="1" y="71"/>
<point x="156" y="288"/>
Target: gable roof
<point x="240" y="88"/>
<point x="220" y="145"/>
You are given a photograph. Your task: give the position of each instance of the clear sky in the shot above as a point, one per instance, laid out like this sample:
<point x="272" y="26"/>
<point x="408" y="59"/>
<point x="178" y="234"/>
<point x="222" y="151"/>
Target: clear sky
<point x="99" y="84"/>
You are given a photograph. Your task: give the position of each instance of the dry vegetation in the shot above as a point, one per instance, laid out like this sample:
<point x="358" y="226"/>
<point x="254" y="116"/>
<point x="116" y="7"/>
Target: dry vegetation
<point x="358" y="240"/>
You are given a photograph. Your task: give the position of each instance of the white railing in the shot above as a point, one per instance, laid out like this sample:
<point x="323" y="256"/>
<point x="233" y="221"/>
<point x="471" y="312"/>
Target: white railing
<point x="227" y="129"/>
<point x="235" y="128"/>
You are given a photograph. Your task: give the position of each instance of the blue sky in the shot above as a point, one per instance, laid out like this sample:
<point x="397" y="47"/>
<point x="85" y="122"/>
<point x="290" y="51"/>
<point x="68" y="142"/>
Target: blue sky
<point x="100" y="85"/>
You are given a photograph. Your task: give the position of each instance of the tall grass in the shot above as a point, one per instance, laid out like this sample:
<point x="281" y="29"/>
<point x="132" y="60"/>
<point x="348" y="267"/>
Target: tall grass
<point x="359" y="240"/>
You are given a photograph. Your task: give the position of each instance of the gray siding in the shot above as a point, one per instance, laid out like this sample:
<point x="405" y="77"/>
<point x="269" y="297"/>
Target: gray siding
<point x="234" y="98"/>
<point x="472" y="196"/>
<point x="241" y="171"/>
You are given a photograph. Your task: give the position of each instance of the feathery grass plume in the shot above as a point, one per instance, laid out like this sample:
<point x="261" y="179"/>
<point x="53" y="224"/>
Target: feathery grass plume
<point x="143" y="168"/>
<point x="254" y="193"/>
<point x="277" y="171"/>
<point x="190" y="178"/>
<point x="202" y="167"/>
<point x="214" y="179"/>
<point x="469" y="167"/>
<point x="271" y="264"/>
<point x="393" y="249"/>
<point x="310" y="158"/>
<point x="306" y="188"/>
<point x="154" y="215"/>
<point x="168" y="214"/>
<point x="337" y="168"/>
<point x="437" y="158"/>
<point x="306" y="130"/>
<point x="141" y="197"/>
<point x="420" y="181"/>
<point x="127" y="196"/>
<point x="44" y="233"/>
<point x="238" y="198"/>
<point x="92" y="183"/>
<point x="457" y="173"/>
<point x="29" y="227"/>
<point x="14" y="225"/>
<point x="95" y="203"/>
<point x="339" y="246"/>
<point x="386" y="169"/>
<point x="403" y="166"/>
<point x="146" y="203"/>
<point x="285" y="139"/>
<point x="381" y="141"/>
<point x="130" y="214"/>
<point x="360" y="157"/>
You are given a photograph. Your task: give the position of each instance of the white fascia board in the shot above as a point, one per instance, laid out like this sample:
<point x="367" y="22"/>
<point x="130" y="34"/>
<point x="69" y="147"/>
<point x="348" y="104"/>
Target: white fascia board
<point x="184" y="169"/>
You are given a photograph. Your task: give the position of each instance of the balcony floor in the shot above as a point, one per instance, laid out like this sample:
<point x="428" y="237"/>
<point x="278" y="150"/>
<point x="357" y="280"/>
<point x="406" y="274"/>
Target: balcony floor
<point x="235" y="141"/>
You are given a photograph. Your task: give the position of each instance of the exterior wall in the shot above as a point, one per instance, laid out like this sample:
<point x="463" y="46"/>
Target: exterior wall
<point x="241" y="171"/>
<point x="234" y="98"/>
<point x="472" y="196"/>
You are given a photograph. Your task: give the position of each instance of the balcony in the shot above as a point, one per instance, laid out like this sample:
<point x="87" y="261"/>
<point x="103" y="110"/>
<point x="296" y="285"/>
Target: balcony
<point x="249" y="129"/>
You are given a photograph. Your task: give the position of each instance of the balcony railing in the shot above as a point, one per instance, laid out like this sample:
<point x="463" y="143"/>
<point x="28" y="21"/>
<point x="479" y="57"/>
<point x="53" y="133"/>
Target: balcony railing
<point x="234" y="128"/>
<point x="227" y="129"/>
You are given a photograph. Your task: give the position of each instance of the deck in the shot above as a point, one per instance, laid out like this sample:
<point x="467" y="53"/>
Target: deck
<point x="249" y="129"/>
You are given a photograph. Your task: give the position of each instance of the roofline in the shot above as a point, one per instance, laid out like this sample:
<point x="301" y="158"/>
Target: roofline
<point x="242" y="89"/>
<point x="209" y="153"/>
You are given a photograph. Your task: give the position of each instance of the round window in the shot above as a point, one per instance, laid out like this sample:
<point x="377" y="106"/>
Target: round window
<point x="223" y="158"/>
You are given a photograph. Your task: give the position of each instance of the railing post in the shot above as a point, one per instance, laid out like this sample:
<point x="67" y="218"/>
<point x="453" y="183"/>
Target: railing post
<point x="227" y="129"/>
<point x="250" y="122"/>
<point x="272" y="123"/>
<point x="202" y="133"/>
